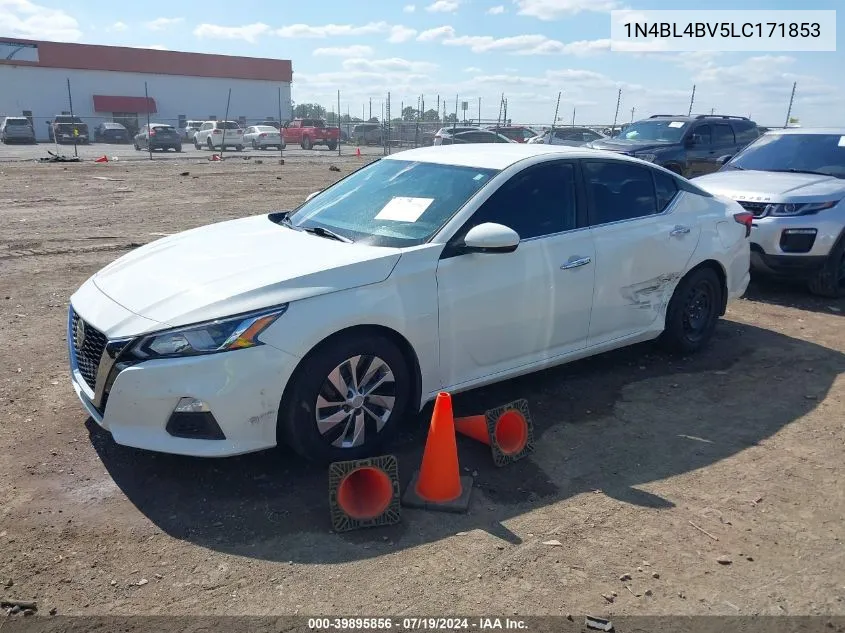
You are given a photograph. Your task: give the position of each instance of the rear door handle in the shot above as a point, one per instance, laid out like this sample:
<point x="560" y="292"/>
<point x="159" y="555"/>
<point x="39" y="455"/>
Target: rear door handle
<point x="679" y="230"/>
<point x="576" y="262"/>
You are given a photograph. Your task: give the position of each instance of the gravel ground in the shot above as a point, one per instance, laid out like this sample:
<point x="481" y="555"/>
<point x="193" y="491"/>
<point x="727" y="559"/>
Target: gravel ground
<point x="715" y="481"/>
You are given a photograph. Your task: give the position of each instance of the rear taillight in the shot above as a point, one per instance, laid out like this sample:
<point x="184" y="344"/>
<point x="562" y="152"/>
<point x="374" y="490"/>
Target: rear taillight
<point x="152" y="132"/>
<point x="745" y="218"/>
<point x="262" y="135"/>
<point x="217" y="132"/>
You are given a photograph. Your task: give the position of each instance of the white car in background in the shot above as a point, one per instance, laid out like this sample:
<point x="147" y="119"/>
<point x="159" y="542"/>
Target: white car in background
<point x="219" y="134"/>
<point x="262" y="137"/>
<point x="571" y="136"/>
<point x="433" y="269"/>
<point x="793" y="181"/>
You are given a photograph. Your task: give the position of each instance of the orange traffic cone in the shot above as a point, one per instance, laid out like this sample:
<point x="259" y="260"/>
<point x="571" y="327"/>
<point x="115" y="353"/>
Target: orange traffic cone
<point x="507" y="430"/>
<point x="438" y="484"/>
<point x="364" y="493"/>
<point x="358" y="152"/>
<point x="102" y="159"/>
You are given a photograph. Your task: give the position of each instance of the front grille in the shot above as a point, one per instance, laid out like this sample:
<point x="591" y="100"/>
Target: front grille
<point x="758" y="209"/>
<point x="89" y="353"/>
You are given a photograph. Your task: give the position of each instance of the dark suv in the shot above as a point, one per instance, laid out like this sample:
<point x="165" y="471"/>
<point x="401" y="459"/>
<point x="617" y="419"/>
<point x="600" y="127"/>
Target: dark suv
<point x="688" y="145"/>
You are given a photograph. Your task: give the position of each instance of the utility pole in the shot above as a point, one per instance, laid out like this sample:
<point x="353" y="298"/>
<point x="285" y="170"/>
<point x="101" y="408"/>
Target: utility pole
<point x="557" y="109"/>
<point x="712" y="111"/>
<point x="789" y="110"/>
<point x="632" y="114"/>
<point x="371" y="107"/>
<point x="616" y="116"/>
<point x="573" y="116"/>
<point x="479" y="110"/>
<point x="691" y="101"/>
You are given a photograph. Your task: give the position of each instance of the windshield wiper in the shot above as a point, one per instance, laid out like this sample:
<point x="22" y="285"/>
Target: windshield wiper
<point x="324" y="232"/>
<point x="804" y="171"/>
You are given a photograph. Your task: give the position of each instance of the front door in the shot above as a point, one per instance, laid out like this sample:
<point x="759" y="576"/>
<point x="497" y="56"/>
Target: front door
<point x="502" y="311"/>
<point x="701" y="153"/>
<point x="643" y="245"/>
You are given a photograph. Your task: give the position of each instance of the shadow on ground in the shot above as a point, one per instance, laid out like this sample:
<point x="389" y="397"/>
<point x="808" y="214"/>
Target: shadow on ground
<point x="609" y="423"/>
<point x="791" y="294"/>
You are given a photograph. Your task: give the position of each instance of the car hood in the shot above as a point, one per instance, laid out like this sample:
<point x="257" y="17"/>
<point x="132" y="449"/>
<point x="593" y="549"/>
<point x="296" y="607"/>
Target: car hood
<point x="627" y="146"/>
<point x="236" y="266"/>
<point x="771" y="186"/>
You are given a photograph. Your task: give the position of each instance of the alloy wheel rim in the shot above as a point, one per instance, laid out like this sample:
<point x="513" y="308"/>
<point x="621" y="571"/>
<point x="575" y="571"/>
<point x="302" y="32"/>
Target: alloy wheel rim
<point x="355" y="401"/>
<point x="697" y="310"/>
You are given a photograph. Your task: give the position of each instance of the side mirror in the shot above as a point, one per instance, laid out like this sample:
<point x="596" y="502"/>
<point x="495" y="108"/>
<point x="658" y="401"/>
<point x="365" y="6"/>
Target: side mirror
<point x="490" y="238"/>
<point x="723" y="159"/>
<point x="311" y="195"/>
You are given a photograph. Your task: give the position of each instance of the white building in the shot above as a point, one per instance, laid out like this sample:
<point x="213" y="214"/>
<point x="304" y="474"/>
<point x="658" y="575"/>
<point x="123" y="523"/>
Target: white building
<point x="107" y="83"/>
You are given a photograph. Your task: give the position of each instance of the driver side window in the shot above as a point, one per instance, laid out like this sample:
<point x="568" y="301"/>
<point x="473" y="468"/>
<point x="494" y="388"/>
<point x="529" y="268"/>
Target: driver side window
<point x="538" y="201"/>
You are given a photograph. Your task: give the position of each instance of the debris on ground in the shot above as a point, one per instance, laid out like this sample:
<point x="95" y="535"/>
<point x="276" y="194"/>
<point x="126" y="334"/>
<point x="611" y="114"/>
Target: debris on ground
<point x="724" y="560"/>
<point x="649" y="592"/>
<point x="625" y="577"/>
<point x="553" y="543"/>
<point x="185" y="173"/>
<point x="599" y="624"/>
<point x="608" y="597"/>
<point x="10" y="603"/>
<point x="333" y="168"/>
<point x="655" y="575"/>
<point x="59" y="158"/>
<point x="107" y="178"/>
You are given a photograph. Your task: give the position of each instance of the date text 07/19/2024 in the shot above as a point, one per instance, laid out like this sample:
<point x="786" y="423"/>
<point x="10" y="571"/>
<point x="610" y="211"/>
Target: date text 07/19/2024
<point x="415" y="624"/>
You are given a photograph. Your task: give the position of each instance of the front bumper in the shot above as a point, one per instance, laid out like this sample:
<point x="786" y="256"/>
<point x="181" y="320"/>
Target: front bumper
<point x="242" y="390"/>
<point x="794" y="246"/>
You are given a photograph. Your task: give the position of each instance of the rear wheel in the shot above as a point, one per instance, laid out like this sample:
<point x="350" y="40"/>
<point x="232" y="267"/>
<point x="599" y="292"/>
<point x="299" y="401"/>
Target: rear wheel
<point x="239" y="148"/>
<point x="830" y="280"/>
<point x="346" y="399"/>
<point x="332" y="145"/>
<point x="210" y="144"/>
<point x="693" y="312"/>
<point x="307" y="143"/>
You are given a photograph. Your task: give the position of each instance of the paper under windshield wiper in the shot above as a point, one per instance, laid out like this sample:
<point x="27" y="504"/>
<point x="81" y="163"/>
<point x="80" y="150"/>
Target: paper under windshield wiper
<point x="324" y="232"/>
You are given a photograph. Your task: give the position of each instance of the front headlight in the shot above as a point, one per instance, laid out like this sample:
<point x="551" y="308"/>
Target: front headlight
<point x="790" y="209"/>
<point x="647" y="157"/>
<point x="220" y="335"/>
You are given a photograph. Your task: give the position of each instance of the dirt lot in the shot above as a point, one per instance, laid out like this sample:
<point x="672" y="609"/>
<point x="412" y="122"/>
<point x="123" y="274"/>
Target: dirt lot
<point x="744" y="440"/>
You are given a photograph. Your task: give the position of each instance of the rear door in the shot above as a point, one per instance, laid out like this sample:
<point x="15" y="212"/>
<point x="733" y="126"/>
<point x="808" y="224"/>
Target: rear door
<point x="643" y="245"/>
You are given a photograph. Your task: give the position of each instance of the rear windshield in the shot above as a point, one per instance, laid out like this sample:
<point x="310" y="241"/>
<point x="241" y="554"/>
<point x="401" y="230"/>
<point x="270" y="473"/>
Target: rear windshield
<point x="17" y="122"/>
<point x="195" y="125"/>
<point x="265" y="128"/>
<point x="313" y="123"/>
<point x="164" y="128"/>
<point x="228" y="125"/>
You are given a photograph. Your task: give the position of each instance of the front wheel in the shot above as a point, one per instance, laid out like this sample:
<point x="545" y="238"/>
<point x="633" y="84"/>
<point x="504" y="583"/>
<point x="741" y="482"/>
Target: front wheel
<point x="332" y="145"/>
<point x="346" y="399"/>
<point x="307" y="143"/>
<point x="830" y="280"/>
<point x="239" y="148"/>
<point x="693" y="311"/>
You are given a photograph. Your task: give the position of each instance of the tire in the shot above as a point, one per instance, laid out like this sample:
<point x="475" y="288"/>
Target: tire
<point x="307" y="143"/>
<point x="254" y="144"/>
<point x="693" y="312"/>
<point x="137" y="147"/>
<point x="239" y="148"/>
<point x="211" y="145"/>
<point x="297" y="422"/>
<point x="830" y="280"/>
<point x="332" y="145"/>
<point x="196" y="144"/>
<point x="178" y="148"/>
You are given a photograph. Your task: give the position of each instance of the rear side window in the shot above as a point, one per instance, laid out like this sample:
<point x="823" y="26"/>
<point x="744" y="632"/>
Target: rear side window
<point x="620" y="191"/>
<point x="723" y="134"/>
<point x="745" y="131"/>
<point x="666" y="189"/>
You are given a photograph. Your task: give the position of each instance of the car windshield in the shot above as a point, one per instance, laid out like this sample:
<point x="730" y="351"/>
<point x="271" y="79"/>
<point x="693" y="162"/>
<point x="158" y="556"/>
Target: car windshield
<point x="395" y="203"/>
<point x="819" y="153"/>
<point x="664" y="130"/>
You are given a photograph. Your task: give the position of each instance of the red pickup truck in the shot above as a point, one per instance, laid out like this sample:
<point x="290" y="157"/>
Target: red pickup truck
<point x="310" y="132"/>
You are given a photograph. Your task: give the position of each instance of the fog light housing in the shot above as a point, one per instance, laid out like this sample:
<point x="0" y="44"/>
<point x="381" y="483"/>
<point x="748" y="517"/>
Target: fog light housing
<point x="192" y="419"/>
<point x="797" y="240"/>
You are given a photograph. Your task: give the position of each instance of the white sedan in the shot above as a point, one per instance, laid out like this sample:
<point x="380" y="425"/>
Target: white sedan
<point x="262" y="137"/>
<point x="432" y="269"/>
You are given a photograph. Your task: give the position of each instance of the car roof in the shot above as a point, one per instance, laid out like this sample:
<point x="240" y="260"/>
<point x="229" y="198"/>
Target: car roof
<point x="807" y="130"/>
<point x="496" y="156"/>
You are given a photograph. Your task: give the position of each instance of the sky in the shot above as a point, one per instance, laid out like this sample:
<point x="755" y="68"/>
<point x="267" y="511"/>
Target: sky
<point x="529" y="50"/>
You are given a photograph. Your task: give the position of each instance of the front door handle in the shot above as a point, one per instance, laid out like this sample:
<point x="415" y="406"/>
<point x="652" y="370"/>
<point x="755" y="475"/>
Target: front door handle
<point x="679" y="230"/>
<point x="576" y="262"/>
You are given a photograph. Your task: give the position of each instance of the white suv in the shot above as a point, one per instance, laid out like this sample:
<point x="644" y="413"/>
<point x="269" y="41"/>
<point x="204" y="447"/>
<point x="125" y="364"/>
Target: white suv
<point x="219" y="134"/>
<point x="793" y="181"/>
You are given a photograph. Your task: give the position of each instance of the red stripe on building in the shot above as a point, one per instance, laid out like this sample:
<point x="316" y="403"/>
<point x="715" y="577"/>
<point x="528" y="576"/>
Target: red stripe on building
<point x="139" y="105"/>
<point x="151" y="61"/>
